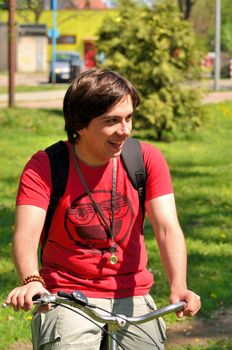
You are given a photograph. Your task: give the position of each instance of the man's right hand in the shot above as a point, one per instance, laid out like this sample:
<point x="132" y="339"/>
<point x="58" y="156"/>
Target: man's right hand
<point x="21" y="297"/>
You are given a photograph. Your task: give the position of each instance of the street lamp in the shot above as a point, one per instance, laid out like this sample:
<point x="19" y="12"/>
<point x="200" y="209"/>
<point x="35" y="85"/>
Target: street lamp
<point x="11" y="52"/>
<point x="54" y="34"/>
<point x="217" y="61"/>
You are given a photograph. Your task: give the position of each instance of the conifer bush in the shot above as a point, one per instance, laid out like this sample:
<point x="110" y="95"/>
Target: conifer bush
<point x="156" y="50"/>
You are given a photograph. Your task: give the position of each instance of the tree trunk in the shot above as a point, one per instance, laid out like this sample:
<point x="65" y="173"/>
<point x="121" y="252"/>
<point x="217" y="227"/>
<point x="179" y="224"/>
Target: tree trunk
<point x="185" y="7"/>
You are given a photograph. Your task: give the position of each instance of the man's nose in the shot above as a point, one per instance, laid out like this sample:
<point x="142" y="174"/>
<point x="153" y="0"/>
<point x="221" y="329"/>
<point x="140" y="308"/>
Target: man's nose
<point x="125" y="129"/>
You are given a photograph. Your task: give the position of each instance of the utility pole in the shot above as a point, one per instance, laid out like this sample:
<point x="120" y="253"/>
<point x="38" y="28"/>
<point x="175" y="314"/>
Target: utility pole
<point x="217" y="61"/>
<point x="54" y="35"/>
<point x="11" y="52"/>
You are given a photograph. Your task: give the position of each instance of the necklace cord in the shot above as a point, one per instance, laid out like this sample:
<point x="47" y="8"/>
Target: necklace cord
<point x="113" y="196"/>
<point x="110" y="230"/>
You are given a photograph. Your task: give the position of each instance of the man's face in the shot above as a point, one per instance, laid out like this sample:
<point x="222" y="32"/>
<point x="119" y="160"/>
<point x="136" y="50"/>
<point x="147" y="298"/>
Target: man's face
<point x="103" y="138"/>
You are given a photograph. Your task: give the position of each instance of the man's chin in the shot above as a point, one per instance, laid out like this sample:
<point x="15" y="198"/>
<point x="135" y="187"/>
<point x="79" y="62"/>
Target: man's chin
<point x="117" y="154"/>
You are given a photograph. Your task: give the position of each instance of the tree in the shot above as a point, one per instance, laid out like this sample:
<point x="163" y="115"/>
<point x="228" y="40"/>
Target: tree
<point x="3" y="4"/>
<point x="156" y="51"/>
<point x="226" y="38"/>
<point x="185" y="7"/>
<point x="203" y="19"/>
<point x="34" y="6"/>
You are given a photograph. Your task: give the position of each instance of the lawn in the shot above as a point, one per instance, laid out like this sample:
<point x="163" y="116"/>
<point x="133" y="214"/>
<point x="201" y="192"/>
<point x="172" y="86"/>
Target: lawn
<point x="45" y="87"/>
<point x="201" y="169"/>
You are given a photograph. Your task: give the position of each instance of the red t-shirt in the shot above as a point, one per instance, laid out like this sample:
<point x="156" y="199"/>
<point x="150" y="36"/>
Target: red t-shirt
<point x="77" y="254"/>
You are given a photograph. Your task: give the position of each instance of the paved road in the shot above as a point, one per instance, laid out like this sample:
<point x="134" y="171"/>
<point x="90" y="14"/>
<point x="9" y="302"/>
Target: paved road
<point x="215" y="97"/>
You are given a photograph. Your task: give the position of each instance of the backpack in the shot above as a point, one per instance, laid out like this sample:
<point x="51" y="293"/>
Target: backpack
<point x="132" y="159"/>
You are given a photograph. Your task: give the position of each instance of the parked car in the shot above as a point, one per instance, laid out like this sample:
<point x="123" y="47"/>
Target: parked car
<point x="67" y="65"/>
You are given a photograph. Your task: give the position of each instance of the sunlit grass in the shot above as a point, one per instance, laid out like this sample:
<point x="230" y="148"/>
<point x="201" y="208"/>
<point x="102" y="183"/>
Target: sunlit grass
<point x="36" y="88"/>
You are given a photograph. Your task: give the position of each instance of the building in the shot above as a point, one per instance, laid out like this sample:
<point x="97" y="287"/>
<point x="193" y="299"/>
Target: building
<point x="89" y="4"/>
<point x="3" y="47"/>
<point x="77" y="30"/>
<point x="33" y="37"/>
<point x="31" y="50"/>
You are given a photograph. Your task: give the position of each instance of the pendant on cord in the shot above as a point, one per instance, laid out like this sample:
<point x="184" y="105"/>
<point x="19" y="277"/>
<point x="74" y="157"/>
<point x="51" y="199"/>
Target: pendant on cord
<point x="113" y="258"/>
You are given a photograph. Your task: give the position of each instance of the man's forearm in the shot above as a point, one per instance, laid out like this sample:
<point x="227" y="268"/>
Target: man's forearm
<point x="28" y="227"/>
<point x="170" y="239"/>
<point x="25" y="258"/>
<point x="174" y="257"/>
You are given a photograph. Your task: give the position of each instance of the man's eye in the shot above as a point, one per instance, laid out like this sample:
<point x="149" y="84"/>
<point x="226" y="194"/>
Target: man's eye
<point x="111" y="121"/>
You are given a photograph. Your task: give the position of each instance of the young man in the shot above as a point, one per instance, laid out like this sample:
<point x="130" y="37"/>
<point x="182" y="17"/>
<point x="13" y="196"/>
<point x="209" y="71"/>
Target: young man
<point x="96" y="241"/>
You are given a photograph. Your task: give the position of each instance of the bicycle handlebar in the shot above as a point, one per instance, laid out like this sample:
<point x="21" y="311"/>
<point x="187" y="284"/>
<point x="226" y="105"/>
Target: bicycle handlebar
<point x="78" y="300"/>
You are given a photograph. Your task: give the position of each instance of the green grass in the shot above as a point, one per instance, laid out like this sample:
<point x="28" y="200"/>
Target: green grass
<point x="44" y="87"/>
<point x="22" y="132"/>
<point x="201" y="169"/>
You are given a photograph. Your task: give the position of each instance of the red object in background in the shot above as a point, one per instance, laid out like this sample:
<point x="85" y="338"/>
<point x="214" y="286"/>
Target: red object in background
<point x="89" y="4"/>
<point x="89" y="54"/>
<point x="208" y="60"/>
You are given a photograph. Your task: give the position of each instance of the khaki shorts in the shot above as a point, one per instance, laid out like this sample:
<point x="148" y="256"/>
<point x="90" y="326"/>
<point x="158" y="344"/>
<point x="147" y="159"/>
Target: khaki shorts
<point x="62" y="328"/>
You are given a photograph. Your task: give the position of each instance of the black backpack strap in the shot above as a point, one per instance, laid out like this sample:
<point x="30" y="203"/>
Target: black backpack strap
<point x="132" y="158"/>
<point x="59" y="163"/>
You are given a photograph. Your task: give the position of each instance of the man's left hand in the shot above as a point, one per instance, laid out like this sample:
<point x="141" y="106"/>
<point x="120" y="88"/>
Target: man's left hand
<point x="193" y="302"/>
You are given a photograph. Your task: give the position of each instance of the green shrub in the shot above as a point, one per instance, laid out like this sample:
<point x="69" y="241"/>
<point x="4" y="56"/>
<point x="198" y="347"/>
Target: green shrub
<point x="157" y="52"/>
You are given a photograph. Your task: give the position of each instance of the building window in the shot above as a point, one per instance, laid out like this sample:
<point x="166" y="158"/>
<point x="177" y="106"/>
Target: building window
<point x="65" y="39"/>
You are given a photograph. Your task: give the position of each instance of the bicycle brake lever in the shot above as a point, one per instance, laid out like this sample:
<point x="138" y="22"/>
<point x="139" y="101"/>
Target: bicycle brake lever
<point x="79" y="297"/>
<point x="63" y="294"/>
<point x="76" y="296"/>
<point x="38" y="296"/>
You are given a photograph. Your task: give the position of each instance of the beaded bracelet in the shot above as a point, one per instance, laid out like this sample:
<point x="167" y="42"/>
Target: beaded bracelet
<point x="33" y="278"/>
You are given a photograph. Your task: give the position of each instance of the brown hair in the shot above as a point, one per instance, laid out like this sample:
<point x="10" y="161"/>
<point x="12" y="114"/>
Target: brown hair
<point x="92" y="94"/>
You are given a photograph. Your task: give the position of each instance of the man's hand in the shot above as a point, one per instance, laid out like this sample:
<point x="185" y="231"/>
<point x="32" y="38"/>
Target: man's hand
<point x="193" y="302"/>
<point x="21" y="297"/>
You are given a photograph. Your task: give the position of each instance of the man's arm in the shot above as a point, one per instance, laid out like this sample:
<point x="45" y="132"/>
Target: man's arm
<point x="172" y="247"/>
<point x="28" y="227"/>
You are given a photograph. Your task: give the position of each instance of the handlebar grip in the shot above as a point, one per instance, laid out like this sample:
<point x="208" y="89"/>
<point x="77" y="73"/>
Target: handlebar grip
<point x="37" y="299"/>
<point x="181" y="305"/>
<point x="37" y="296"/>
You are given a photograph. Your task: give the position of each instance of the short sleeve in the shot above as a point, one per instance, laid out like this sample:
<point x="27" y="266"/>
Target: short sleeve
<point x="158" y="181"/>
<point x="35" y="183"/>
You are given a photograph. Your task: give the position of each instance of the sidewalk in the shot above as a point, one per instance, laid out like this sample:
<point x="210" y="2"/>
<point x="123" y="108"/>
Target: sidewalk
<point x="26" y="79"/>
<point x="35" y="99"/>
<point x="220" y="96"/>
<point x="38" y="99"/>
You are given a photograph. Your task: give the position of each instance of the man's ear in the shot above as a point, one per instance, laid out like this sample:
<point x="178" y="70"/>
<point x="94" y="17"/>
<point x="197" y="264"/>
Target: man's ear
<point x="81" y="132"/>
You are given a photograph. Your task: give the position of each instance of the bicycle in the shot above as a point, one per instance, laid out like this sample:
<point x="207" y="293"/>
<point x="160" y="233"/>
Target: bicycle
<point x="114" y="322"/>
